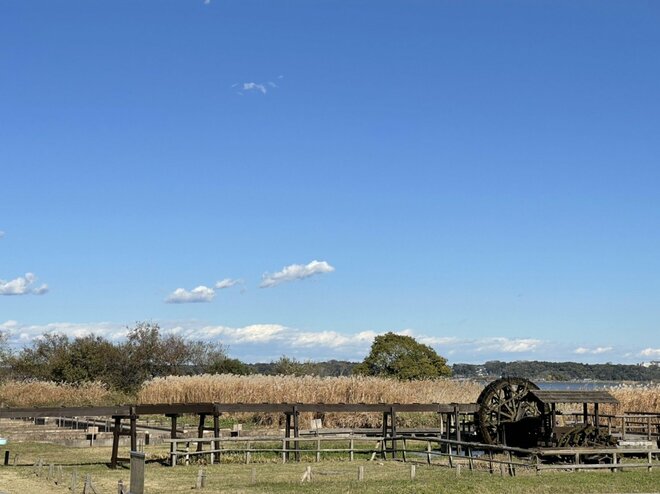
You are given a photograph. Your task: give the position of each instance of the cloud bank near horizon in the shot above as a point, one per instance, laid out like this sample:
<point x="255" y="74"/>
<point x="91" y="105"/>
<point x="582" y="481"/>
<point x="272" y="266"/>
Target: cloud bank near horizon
<point x="265" y="342"/>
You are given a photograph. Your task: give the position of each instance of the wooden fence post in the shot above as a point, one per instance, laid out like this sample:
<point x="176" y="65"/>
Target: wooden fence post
<point x="74" y="480"/>
<point x="137" y="473"/>
<point x="253" y="476"/>
<point x="428" y="452"/>
<point x="413" y="472"/>
<point x="360" y="473"/>
<point x="201" y="479"/>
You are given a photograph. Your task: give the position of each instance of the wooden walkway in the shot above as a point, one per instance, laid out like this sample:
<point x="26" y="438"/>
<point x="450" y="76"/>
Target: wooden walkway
<point x="452" y="414"/>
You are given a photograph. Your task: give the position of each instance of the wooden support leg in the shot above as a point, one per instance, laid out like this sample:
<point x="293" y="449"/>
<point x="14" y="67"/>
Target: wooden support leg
<point x="296" y="432"/>
<point x="133" y="420"/>
<point x="393" y="431"/>
<point x="216" y="431"/>
<point x="200" y="430"/>
<point x="287" y="434"/>
<point x="115" y="442"/>
<point x="173" y="417"/>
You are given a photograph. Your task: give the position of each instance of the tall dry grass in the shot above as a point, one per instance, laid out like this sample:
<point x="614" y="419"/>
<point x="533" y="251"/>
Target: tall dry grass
<point x="279" y="389"/>
<point x="46" y="393"/>
<point x="309" y="389"/>
<point x="636" y="398"/>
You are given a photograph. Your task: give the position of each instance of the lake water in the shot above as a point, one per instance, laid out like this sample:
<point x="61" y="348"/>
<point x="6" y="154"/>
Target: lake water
<point x="576" y="385"/>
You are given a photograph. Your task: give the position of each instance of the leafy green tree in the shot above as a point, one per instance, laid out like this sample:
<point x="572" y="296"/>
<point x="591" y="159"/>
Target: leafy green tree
<point x="37" y="360"/>
<point x="88" y="358"/>
<point x="400" y="356"/>
<point x="229" y="366"/>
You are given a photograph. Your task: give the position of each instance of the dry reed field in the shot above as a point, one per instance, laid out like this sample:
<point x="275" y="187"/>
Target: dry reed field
<point x="310" y="389"/>
<point x="278" y="389"/>
<point x="47" y="393"/>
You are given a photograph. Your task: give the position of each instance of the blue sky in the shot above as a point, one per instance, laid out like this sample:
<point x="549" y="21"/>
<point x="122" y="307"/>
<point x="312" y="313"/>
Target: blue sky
<point x="481" y="175"/>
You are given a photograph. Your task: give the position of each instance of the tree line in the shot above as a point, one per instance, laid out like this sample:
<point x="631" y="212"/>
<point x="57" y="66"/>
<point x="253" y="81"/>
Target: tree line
<point x="558" y="371"/>
<point x="147" y="352"/>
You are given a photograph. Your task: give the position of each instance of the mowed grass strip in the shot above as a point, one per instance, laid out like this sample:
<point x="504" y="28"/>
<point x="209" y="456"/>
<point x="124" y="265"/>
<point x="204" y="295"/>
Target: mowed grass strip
<point x="327" y="477"/>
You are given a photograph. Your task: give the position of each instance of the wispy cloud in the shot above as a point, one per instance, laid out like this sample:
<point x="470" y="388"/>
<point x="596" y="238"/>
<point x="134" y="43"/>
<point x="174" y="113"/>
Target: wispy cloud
<point x="227" y="283"/>
<point x="23" y="285"/>
<point x="592" y="351"/>
<point x="255" y="87"/>
<point x="650" y="352"/>
<point x="2" y="234"/>
<point x="196" y="295"/>
<point x="295" y="272"/>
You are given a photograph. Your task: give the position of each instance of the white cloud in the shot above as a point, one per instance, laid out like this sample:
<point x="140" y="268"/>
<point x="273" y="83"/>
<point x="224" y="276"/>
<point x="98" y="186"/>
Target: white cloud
<point x="253" y="86"/>
<point x="23" y="285"/>
<point x="650" y="352"/>
<point x="254" y="333"/>
<point x="227" y="283"/>
<point x="182" y="296"/>
<point x="2" y="234"/>
<point x="507" y="345"/>
<point x="295" y="272"/>
<point x="592" y="351"/>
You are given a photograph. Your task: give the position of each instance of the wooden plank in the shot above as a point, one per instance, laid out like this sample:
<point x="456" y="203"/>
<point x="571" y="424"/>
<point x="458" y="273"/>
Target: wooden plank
<point x="38" y="412"/>
<point x="548" y="396"/>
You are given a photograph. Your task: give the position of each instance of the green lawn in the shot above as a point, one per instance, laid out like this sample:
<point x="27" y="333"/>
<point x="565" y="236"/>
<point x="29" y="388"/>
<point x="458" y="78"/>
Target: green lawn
<point x="327" y="477"/>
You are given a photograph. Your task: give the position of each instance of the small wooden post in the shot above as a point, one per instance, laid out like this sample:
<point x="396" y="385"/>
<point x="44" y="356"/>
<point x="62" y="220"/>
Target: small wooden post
<point x="360" y="473"/>
<point x="623" y="426"/>
<point x="284" y="452"/>
<point x="512" y="468"/>
<point x="120" y="487"/>
<point x="490" y="460"/>
<point x="201" y="479"/>
<point x="403" y="452"/>
<point x="74" y="480"/>
<point x="253" y="476"/>
<point x="413" y="471"/>
<point x="318" y="450"/>
<point x="248" y="453"/>
<point x="650" y="467"/>
<point x="51" y="472"/>
<point x="470" y="460"/>
<point x="137" y="473"/>
<point x="458" y="469"/>
<point x="7" y="457"/>
<point x="428" y="452"/>
<point x="173" y="450"/>
<point x="352" y="448"/>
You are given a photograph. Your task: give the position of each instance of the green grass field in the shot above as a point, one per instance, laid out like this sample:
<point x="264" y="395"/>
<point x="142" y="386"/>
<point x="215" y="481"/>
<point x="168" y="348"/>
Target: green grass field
<point x="327" y="476"/>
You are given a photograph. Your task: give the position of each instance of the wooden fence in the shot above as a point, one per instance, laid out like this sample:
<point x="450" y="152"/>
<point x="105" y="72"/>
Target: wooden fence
<point x="468" y="454"/>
